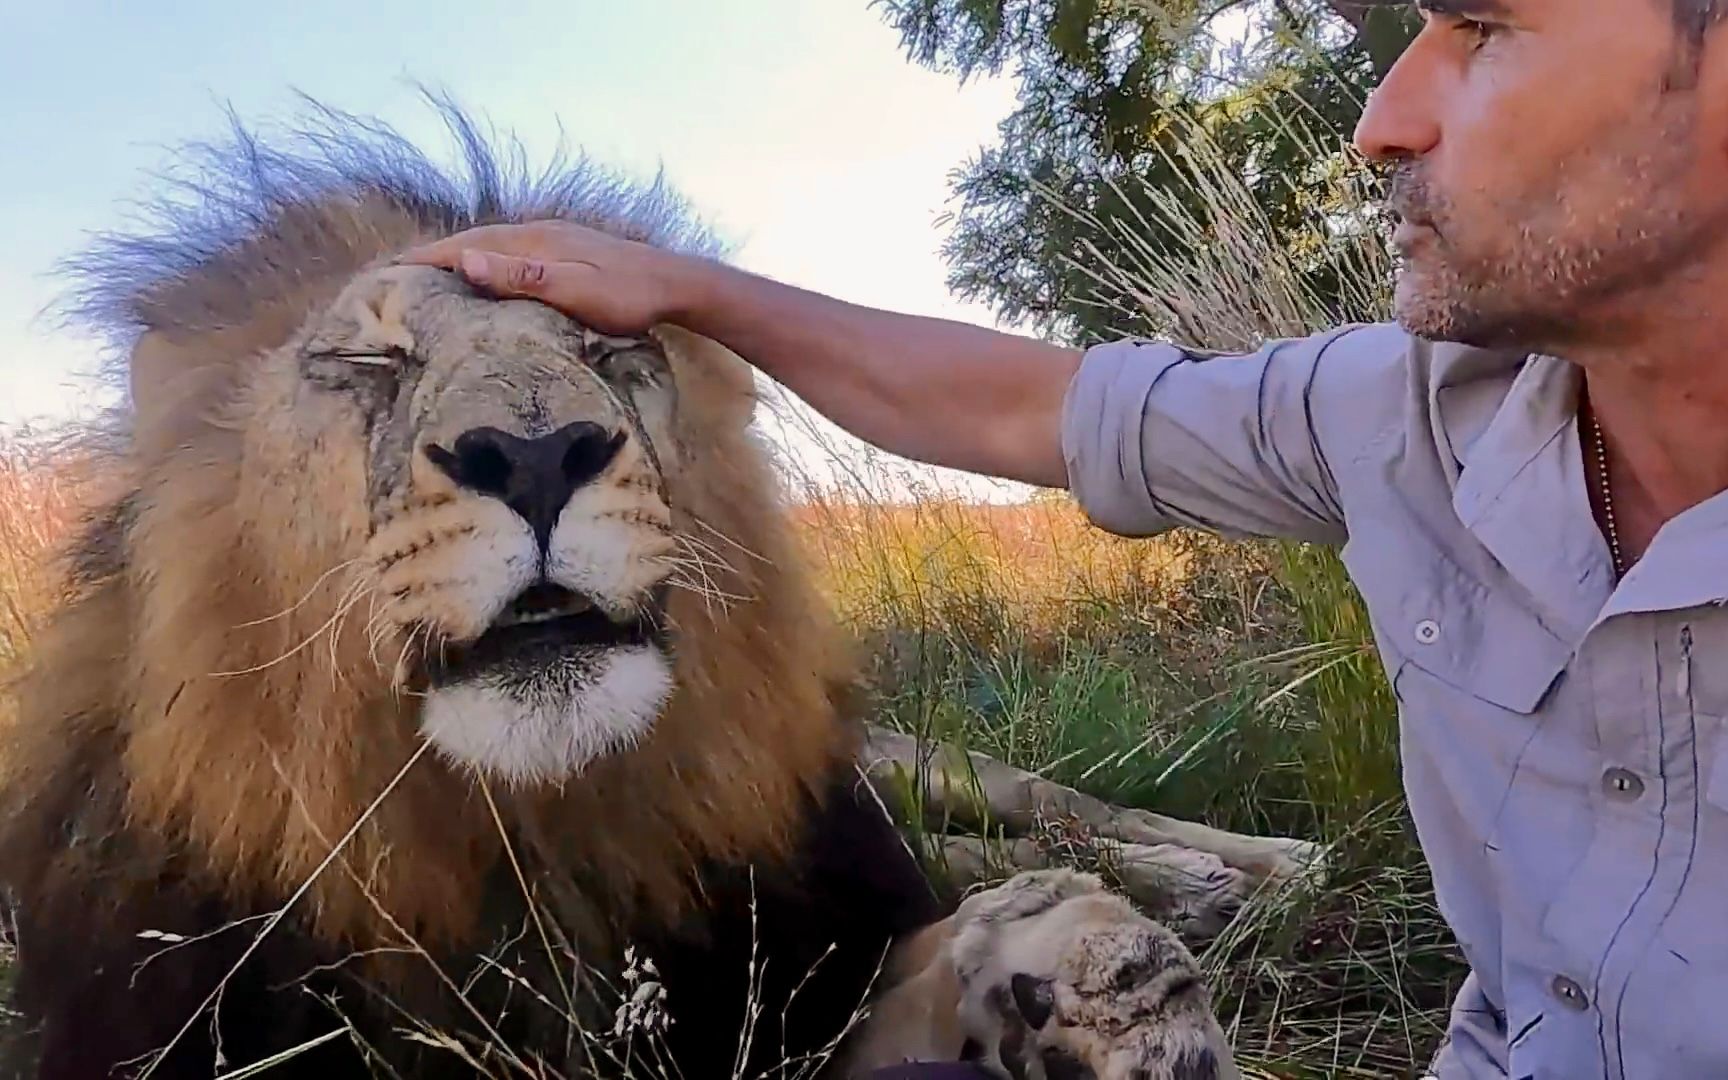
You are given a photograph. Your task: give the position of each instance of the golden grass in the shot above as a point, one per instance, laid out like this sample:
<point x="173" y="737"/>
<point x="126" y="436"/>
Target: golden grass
<point x="36" y="505"/>
<point x="1034" y="561"/>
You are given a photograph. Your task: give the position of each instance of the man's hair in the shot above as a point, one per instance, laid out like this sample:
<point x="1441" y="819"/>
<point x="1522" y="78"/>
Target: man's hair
<point x="1694" y="18"/>
<point x="1693" y="21"/>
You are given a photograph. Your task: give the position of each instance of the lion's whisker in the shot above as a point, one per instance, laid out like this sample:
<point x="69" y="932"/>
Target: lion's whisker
<point x="702" y="549"/>
<point x="304" y="642"/>
<point x="692" y="551"/>
<point x="358" y="590"/>
<point x="380" y="614"/>
<point x="703" y="586"/>
<point x="399" y="673"/>
<point x="377" y="629"/>
<point x="298" y="604"/>
<point x="693" y="575"/>
<point x="696" y="565"/>
<point x="362" y="587"/>
<point x="730" y="540"/>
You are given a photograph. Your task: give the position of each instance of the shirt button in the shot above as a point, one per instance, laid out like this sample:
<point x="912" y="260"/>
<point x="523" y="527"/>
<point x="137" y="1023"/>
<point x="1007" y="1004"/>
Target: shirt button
<point x="1570" y="993"/>
<point x="1427" y="631"/>
<point x="1622" y="784"/>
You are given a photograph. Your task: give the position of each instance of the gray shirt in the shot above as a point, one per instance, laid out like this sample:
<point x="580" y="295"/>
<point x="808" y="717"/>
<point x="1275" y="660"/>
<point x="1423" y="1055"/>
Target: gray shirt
<point x="1561" y="735"/>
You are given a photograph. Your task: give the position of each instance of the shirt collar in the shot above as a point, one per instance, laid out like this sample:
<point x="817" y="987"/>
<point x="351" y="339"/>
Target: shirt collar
<point x="1522" y="490"/>
<point x="1685" y="566"/>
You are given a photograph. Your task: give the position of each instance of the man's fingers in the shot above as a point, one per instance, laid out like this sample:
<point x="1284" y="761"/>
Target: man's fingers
<point x="438" y="253"/>
<point x="517" y="240"/>
<point x="505" y="275"/>
<point x="515" y="261"/>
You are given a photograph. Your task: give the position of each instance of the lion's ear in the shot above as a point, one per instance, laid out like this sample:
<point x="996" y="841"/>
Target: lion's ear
<point x="714" y="379"/>
<point x="169" y="383"/>
<point x="369" y="316"/>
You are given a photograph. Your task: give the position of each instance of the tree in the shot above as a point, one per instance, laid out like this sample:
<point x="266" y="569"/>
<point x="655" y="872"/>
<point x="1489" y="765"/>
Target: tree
<point x="1112" y="95"/>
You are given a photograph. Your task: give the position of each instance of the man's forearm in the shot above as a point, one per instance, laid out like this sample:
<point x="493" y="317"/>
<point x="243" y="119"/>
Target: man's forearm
<point x="933" y="390"/>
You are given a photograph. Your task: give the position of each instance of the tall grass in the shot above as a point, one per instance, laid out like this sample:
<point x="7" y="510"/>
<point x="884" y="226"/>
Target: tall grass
<point x="1229" y="282"/>
<point x="1363" y="983"/>
<point x="1189" y="675"/>
<point x="36" y="502"/>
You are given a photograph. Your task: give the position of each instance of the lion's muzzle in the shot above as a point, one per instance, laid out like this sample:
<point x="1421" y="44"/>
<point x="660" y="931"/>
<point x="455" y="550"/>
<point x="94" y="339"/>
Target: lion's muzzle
<point x="533" y="476"/>
<point x="574" y="664"/>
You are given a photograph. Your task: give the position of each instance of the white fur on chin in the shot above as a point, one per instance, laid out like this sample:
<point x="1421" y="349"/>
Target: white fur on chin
<point x="482" y="725"/>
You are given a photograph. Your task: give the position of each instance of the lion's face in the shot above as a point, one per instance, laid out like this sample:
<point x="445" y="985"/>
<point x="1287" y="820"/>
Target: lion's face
<point x="513" y="529"/>
<point x="365" y="548"/>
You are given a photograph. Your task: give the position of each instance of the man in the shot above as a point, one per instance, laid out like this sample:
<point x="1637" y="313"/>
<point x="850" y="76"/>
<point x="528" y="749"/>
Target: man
<point x="1526" y="471"/>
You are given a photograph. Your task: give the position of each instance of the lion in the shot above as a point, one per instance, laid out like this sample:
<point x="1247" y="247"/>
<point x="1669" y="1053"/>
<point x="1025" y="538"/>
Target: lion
<point x="1049" y="975"/>
<point x="435" y="675"/>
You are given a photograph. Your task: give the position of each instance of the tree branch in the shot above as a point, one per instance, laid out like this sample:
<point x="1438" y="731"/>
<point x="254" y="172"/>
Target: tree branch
<point x="1184" y="872"/>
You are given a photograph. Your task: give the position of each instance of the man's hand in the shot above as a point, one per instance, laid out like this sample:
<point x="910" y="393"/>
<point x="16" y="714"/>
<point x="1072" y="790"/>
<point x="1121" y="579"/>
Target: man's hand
<point x="615" y="286"/>
<point x="933" y="390"/>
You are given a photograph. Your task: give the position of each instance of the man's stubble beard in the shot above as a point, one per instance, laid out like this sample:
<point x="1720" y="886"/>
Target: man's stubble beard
<point x="1544" y="274"/>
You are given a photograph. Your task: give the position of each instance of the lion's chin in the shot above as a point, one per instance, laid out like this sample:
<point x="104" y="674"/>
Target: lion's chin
<point x="544" y="725"/>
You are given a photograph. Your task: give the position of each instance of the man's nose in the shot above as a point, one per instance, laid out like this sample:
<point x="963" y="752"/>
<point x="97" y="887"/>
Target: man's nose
<point x="1402" y="117"/>
<point x="533" y="476"/>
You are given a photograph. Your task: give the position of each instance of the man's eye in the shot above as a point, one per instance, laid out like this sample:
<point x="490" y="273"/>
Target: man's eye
<point x="1476" y="32"/>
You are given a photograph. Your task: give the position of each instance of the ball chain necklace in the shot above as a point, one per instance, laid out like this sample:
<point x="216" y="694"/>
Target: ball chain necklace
<point x="1601" y="447"/>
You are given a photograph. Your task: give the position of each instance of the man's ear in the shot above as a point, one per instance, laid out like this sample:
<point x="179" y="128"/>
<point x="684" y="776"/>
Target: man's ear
<point x="1034" y="997"/>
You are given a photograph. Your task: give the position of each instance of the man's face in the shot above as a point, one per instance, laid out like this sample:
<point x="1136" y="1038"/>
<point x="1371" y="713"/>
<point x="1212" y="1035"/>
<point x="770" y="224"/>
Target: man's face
<point x="1558" y="164"/>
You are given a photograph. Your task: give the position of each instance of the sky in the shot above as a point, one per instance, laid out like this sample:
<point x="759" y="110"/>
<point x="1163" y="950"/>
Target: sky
<point x="797" y="127"/>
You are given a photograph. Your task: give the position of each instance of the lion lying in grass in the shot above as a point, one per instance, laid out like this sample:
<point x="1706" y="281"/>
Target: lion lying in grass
<point x="428" y="652"/>
<point x="438" y="690"/>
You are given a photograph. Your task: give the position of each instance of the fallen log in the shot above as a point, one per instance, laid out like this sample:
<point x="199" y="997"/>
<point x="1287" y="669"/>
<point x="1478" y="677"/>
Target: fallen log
<point x="1194" y="871"/>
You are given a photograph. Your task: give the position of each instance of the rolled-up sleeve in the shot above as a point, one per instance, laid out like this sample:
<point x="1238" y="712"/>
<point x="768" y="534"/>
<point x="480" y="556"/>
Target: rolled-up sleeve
<point x="1243" y="444"/>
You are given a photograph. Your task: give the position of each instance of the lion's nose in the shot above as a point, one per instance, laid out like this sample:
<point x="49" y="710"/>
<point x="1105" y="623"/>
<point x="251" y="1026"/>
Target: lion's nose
<point x="534" y="477"/>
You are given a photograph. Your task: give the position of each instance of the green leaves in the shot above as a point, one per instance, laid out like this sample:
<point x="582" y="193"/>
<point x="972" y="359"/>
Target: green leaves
<point x="1111" y="94"/>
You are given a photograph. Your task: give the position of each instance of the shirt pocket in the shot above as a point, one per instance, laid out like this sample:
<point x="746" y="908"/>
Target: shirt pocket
<point x="1470" y="667"/>
<point x="1462" y="636"/>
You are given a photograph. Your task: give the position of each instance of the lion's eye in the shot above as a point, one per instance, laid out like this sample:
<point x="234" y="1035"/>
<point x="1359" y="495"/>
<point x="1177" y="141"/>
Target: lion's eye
<point x="376" y="357"/>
